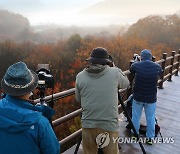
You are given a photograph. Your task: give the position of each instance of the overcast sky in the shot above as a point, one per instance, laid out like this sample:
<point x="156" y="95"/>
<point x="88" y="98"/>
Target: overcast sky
<point x="89" y="12"/>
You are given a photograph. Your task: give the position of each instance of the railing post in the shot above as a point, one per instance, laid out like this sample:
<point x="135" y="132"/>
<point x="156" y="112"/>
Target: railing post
<point x="130" y="77"/>
<point x="171" y="63"/>
<point x="163" y="68"/>
<point x="178" y="60"/>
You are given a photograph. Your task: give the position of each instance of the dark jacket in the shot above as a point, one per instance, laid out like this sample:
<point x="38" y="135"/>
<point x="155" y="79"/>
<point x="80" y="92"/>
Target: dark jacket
<point x="24" y="130"/>
<point x="146" y="77"/>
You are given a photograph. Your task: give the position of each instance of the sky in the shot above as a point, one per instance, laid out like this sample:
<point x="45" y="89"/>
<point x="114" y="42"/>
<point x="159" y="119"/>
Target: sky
<point x="89" y="12"/>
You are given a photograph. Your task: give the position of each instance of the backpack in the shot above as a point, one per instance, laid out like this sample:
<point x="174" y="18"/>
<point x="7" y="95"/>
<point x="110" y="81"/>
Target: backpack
<point x="142" y="129"/>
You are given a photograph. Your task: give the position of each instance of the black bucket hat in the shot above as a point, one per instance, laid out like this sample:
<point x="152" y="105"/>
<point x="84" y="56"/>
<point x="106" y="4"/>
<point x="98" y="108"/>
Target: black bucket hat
<point x="19" y="80"/>
<point x="99" y="56"/>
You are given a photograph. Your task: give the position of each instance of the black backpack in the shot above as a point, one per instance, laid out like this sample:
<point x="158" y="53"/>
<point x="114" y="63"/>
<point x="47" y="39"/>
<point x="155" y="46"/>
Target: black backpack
<point x="142" y="129"/>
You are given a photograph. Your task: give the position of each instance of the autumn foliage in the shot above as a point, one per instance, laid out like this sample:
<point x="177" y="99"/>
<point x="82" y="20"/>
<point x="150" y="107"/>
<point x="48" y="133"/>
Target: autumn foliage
<point x="67" y="57"/>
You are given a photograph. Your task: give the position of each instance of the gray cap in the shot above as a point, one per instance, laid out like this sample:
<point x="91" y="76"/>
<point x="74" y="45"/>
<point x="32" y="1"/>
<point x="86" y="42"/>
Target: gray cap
<point x="19" y="80"/>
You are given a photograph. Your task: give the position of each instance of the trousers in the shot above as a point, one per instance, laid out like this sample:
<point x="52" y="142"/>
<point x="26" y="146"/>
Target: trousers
<point x="149" y="109"/>
<point x="90" y="138"/>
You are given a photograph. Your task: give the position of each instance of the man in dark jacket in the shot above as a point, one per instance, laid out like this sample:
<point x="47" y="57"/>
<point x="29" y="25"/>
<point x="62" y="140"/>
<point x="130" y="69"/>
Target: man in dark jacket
<point x="23" y="127"/>
<point x="145" y="92"/>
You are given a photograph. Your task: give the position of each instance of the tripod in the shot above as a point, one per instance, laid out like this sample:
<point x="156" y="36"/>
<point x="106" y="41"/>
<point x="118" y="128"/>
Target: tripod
<point x="159" y="129"/>
<point x="41" y="93"/>
<point x="130" y="121"/>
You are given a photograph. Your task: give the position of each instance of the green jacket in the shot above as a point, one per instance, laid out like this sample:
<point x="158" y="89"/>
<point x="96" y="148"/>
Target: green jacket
<point x="96" y="90"/>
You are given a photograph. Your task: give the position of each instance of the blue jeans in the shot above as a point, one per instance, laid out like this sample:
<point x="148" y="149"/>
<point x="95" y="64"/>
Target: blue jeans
<point x="149" y="109"/>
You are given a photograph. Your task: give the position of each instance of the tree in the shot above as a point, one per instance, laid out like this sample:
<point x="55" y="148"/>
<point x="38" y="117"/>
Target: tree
<point x="11" y="24"/>
<point x="74" y="43"/>
<point x="157" y="29"/>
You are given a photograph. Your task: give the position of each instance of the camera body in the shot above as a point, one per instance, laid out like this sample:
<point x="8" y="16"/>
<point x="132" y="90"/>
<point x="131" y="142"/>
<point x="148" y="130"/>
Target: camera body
<point x="136" y="58"/>
<point x="46" y="80"/>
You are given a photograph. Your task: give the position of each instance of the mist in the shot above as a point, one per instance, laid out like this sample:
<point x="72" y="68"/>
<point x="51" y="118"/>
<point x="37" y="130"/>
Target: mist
<point x="88" y="12"/>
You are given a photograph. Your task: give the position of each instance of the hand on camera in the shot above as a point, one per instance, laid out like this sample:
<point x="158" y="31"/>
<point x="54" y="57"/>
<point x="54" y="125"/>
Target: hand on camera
<point x="112" y="61"/>
<point x="136" y="58"/>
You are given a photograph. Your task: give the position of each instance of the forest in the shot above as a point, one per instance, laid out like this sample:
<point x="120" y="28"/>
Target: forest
<point x="68" y="56"/>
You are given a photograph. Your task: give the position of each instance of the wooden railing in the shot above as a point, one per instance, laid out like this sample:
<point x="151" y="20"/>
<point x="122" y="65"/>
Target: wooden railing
<point x="170" y="66"/>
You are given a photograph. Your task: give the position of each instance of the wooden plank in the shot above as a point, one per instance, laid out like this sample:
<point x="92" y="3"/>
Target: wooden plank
<point x="168" y="115"/>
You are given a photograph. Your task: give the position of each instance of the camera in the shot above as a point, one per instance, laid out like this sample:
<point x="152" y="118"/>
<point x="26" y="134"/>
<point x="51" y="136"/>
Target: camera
<point x="46" y="80"/>
<point x="112" y="61"/>
<point x="136" y="58"/>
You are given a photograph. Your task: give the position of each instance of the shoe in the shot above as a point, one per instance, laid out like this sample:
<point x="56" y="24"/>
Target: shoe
<point x="149" y="141"/>
<point x="133" y="137"/>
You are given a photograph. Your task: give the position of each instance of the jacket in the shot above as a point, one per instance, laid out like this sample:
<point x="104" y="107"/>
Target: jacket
<point x="97" y="91"/>
<point x="145" y="81"/>
<point x="24" y="129"/>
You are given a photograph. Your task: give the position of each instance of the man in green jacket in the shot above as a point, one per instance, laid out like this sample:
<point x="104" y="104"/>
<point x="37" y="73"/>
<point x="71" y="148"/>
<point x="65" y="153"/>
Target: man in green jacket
<point x="97" y="91"/>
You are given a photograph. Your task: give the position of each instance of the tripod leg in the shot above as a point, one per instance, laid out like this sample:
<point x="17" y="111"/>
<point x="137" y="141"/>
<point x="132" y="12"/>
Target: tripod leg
<point x="77" y="146"/>
<point x="130" y="121"/>
<point x="159" y="130"/>
<point x="100" y="151"/>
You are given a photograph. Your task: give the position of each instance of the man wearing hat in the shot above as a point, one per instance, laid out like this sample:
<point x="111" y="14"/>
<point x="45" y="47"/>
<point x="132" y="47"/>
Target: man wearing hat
<point x="146" y="73"/>
<point x="97" y="91"/>
<point x="23" y="127"/>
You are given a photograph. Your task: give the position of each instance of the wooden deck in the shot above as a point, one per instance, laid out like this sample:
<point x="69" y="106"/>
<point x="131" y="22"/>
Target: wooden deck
<point x="168" y="116"/>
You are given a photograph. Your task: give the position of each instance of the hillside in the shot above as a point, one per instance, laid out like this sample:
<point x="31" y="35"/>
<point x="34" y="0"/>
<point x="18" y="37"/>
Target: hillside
<point x="12" y="25"/>
<point x="17" y="28"/>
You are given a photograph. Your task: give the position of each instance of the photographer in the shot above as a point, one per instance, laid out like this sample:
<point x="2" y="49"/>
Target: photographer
<point x="23" y="127"/>
<point x="145" y="92"/>
<point x="97" y="91"/>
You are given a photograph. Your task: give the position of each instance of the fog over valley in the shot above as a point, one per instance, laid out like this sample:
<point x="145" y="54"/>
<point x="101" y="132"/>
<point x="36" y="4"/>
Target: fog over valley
<point x="50" y="21"/>
<point x="89" y="12"/>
